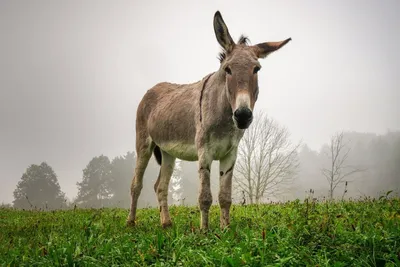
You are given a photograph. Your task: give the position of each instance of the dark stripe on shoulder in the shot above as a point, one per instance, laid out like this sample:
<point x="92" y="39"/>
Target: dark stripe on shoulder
<point x="201" y="95"/>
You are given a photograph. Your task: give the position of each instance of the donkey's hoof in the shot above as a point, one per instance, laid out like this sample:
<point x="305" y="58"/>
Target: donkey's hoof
<point x="166" y="224"/>
<point x="130" y="223"/>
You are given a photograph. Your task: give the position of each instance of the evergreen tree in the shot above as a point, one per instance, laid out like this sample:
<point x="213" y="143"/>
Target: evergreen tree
<point x="122" y="169"/>
<point x="94" y="190"/>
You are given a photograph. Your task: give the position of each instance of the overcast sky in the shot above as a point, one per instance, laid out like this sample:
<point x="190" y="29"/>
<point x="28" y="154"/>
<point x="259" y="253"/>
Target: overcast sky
<point x="73" y="72"/>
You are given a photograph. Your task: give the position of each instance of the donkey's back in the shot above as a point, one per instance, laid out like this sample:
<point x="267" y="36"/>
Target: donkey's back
<point x="167" y="114"/>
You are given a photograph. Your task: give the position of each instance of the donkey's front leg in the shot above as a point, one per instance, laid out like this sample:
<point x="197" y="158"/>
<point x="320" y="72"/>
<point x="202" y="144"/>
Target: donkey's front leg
<point x="226" y="166"/>
<point x="205" y="196"/>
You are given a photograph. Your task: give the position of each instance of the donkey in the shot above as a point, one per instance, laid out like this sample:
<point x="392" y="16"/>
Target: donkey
<point x="202" y="121"/>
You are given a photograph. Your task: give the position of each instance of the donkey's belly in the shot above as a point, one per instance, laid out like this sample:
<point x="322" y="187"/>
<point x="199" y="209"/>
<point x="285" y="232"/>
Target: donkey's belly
<point x="181" y="151"/>
<point x="218" y="149"/>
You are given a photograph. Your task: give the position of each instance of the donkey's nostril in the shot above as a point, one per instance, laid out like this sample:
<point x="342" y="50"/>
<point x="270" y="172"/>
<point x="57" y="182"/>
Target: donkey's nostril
<point x="243" y="114"/>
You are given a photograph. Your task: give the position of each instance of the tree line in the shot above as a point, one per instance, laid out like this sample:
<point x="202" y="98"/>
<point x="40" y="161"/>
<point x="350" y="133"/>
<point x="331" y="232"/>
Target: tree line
<point x="269" y="167"/>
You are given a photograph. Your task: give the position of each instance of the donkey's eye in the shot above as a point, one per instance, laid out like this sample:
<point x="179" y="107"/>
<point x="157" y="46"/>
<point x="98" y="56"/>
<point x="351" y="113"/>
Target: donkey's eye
<point x="256" y="69"/>
<point x="228" y="70"/>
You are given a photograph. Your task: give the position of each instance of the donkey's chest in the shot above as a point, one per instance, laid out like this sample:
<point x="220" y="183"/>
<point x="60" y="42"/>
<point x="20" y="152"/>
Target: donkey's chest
<point x="220" y="147"/>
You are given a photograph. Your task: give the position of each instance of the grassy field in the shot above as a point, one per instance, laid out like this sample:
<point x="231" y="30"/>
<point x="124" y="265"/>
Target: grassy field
<point x="359" y="233"/>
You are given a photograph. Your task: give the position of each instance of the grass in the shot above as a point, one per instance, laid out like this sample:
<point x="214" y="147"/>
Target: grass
<point x="351" y="233"/>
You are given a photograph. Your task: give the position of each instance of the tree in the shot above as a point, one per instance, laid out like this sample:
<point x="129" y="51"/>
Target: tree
<point x="121" y="177"/>
<point x="189" y="182"/>
<point x="175" y="194"/>
<point x="39" y="188"/>
<point x="384" y="167"/>
<point x="267" y="161"/>
<point x="308" y="176"/>
<point x="122" y="170"/>
<point x="395" y="166"/>
<point x="337" y="153"/>
<point x="94" y="190"/>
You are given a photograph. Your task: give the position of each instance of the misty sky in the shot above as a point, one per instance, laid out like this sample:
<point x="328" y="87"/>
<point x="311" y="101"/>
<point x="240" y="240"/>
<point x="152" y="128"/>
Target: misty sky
<point x="73" y="72"/>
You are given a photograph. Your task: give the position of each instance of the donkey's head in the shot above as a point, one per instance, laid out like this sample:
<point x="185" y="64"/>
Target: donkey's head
<point x="240" y="64"/>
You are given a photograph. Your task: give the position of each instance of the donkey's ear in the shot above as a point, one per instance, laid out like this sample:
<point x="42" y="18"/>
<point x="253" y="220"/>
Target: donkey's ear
<point x="264" y="49"/>
<point x="222" y="33"/>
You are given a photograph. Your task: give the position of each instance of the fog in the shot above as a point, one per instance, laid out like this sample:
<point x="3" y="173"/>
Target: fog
<point x="72" y="73"/>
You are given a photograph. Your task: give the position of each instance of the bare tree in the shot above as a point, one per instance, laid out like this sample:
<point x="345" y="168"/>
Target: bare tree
<point x="338" y="170"/>
<point x="267" y="161"/>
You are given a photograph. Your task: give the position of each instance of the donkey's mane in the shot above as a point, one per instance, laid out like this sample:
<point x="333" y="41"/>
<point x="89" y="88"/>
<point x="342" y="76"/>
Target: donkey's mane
<point x="243" y="40"/>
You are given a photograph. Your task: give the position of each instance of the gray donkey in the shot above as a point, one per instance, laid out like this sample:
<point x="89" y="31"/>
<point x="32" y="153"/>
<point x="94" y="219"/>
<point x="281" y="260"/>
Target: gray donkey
<point x="203" y="121"/>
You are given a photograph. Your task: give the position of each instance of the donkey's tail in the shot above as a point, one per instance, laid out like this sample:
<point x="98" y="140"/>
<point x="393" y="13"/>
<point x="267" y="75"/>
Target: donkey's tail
<point x="157" y="154"/>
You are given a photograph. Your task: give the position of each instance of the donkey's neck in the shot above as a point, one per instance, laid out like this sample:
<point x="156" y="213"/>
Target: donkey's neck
<point x="220" y="84"/>
<point x="215" y="95"/>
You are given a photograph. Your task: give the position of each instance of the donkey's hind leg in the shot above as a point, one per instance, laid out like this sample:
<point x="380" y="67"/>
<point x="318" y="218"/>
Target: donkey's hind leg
<point x="144" y="148"/>
<point x="161" y="187"/>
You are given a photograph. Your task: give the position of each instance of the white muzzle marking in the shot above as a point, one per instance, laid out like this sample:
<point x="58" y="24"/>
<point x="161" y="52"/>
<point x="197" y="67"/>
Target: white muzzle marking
<point x="243" y="100"/>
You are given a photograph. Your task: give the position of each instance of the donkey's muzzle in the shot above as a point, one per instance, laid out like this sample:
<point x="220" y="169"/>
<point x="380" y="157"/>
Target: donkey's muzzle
<point x="243" y="117"/>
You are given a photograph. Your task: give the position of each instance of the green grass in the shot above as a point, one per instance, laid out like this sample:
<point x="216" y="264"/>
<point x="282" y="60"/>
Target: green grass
<point x="359" y="233"/>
